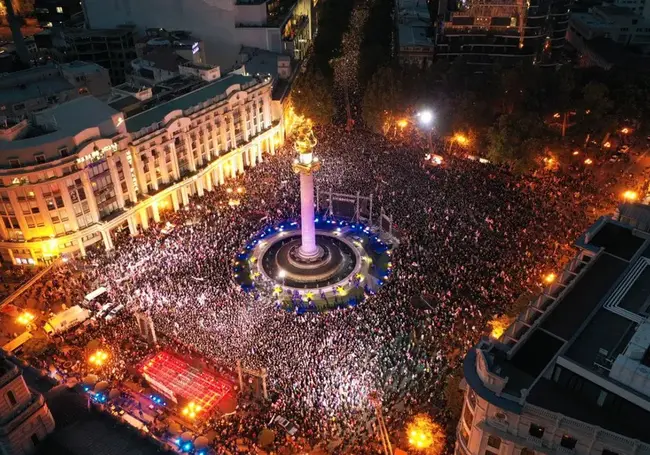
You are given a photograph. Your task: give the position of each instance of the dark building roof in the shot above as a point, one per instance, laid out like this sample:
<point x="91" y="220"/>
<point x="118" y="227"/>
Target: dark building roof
<point x="582" y="330"/>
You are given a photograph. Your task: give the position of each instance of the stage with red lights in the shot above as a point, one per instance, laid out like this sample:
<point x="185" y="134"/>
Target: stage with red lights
<point x="180" y="381"/>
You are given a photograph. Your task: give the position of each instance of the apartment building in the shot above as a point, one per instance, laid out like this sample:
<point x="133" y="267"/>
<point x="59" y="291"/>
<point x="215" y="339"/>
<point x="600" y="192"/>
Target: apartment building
<point x="571" y="375"/>
<point x="73" y="175"/>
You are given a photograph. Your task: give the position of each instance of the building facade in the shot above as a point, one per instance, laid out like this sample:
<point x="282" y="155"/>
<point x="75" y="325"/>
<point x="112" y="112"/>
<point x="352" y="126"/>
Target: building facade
<point x="223" y="25"/>
<point x="25" y="419"/>
<point x="505" y="32"/>
<point x="75" y="174"/>
<point x="571" y="375"/>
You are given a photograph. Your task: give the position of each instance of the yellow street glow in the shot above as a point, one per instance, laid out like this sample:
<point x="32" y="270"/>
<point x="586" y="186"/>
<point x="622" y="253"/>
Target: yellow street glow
<point x="461" y="139"/>
<point x="98" y="358"/>
<point x="630" y="195"/>
<point x="549" y="278"/>
<point x="588" y="161"/>
<point x="25" y="318"/>
<point x="424" y="434"/>
<point x="191" y="410"/>
<point x="403" y="123"/>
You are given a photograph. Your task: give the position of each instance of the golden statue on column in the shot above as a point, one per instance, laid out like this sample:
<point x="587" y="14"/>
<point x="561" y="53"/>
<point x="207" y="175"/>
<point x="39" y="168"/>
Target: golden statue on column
<point x="305" y="165"/>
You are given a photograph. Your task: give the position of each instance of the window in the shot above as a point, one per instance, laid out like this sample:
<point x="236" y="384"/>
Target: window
<point x="35" y="439"/>
<point x="527" y="451"/>
<point x="601" y="398"/>
<point x="14" y="163"/>
<point x="59" y="9"/>
<point x="536" y="431"/>
<point x="12" y="398"/>
<point x="40" y="158"/>
<point x="568" y="442"/>
<point x="494" y="441"/>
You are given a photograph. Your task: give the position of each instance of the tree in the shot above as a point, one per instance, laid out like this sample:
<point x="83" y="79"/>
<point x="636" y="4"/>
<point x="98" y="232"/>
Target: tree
<point x="454" y="396"/>
<point x="383" y="100"/>
<point x="516" y="140"/>
<point x="595" y="100"/>
<point x="312" y="97"/>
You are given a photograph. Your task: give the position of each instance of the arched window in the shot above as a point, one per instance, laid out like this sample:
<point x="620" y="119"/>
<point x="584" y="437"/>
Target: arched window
<point x="12" y="398"/>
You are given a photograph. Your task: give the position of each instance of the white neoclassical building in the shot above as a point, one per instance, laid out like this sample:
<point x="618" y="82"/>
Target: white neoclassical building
<point x="72" y="174"/>
<point x="572" y="374"/>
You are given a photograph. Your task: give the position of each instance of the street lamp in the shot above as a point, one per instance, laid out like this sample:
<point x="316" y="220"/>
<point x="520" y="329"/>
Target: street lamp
<point x="25" y="318"/>
<point x="426" y="120"/>
<point x="98" y="358"/>
<point x="458" y="138"/>
<point x="282" y="274"/>
<point x="630" y="195"/>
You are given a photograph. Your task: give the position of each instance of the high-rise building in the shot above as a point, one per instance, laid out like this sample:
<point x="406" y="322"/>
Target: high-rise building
<point x="506" y="32"/>
<point x="571" y="375"/>
<point x="72" y="175"/>
<point x="282" y="26"/>
<point x="25" y="419"/>
<point x="111" y="48"/>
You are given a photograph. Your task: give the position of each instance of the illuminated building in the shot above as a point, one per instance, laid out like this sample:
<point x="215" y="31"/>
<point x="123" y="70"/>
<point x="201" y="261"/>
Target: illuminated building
<point x="505" y="31"/>
<point x="571" y="375"/>
<point x="72" y="174"/>
<point x="25" y="419"/>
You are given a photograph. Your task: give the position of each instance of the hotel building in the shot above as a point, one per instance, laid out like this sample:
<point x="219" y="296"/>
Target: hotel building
<point x="571" y="375"/>
<point x="72" y="175"/>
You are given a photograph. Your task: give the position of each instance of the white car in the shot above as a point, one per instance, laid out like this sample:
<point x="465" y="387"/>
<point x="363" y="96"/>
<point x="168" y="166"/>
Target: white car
<point x="289" y="427"/>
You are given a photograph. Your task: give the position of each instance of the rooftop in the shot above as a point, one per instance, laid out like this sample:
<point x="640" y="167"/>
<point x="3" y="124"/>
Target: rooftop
<point x="589" y="327"/>
<point x="34" y="89"/>
<point x="61" y="121"/>
<point x="187" y="101"/>
<point x="164" y="58"/>
<point x="411" y="35"/>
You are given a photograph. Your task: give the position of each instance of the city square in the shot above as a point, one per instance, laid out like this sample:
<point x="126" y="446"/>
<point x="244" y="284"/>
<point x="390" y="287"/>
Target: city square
<point x="324" y="227"/>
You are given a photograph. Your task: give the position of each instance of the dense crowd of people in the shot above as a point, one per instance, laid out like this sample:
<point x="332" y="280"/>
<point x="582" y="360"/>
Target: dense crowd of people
<point x="472" y="239"/>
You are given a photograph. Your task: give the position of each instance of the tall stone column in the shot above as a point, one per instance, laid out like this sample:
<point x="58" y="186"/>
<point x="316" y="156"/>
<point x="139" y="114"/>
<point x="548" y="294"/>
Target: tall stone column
<point x="308" y="246"/>
<point x="175" y="203"/>
<point x="156" y="212"/>
<point x="82" y="247"/>
<point x="90" y="196"/>
<point x="133" y="226"/>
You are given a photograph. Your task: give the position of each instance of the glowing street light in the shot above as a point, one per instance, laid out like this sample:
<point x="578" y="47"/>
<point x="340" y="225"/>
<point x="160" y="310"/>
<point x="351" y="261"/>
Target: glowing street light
<point x="25" y="318"/>
<point x="630" y="195"/>
<point x="282" y="274"/>
<point x="402" y="123"/>
<point x="426" y="435"/>
<point x="549" y="278"/>
<point x="98" y="358"/>
<point x="191" y="410"/>
<point x="426" y="117"/>
<point x="625" y="130"/>
<point x="461" y="139"/>
<point x="499" y="325"/>
<point x="576" y="153"/>
<point x="588" y="161"/>
<point x="607" y="144"/>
